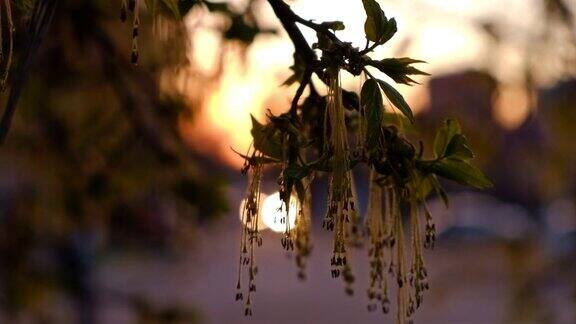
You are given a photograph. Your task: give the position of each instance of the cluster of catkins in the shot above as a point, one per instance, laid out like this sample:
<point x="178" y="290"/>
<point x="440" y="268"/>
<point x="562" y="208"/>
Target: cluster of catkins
<point x="132" y="6"/>
<point x="389" y="204"/>
<point x="342" y="216"/>
<point x="294" y="238"/>
<point x="249" y="237"/>
<point x="388" y="253"/>
<point x="383" y="223"/>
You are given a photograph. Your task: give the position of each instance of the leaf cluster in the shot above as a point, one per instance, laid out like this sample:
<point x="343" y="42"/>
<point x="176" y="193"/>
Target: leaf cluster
<point x="297" y="140"/>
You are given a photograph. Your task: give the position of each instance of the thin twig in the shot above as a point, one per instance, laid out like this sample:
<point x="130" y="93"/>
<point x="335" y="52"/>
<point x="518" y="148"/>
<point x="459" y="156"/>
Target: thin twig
<point x="303" y="83"/>
<point x="368" y="49"/>
<point x="288" y="19"/>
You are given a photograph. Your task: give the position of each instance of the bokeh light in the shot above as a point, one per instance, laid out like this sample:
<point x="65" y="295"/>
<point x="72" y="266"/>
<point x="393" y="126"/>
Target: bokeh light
<point x="274" y="212"/>
<point x="261" y="224"/>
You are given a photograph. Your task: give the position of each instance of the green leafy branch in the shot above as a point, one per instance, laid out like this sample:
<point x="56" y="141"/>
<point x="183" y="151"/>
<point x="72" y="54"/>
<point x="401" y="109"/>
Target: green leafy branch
<point x="315" y="136"/>
<point x="452" y="164"/>
<point x="453" y="155"/>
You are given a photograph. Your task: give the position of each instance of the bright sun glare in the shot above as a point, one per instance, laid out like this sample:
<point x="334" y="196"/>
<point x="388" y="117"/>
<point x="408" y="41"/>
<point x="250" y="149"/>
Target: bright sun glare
<point x="261" y="224"/>
<point x="274" y="212"/>
<point x="442" y="38"/>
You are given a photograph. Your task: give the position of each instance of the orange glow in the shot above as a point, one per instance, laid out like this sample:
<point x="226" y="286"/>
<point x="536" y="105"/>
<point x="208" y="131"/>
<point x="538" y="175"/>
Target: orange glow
<point x="511" y="107"/>
<point x="245" y="87"/>
<point x="228" y="108"/>
<point x="443" y="33"/>
<point x="224" y="119"/>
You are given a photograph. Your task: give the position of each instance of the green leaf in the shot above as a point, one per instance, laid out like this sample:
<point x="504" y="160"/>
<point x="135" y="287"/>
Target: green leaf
<point x="421" y="185"/>
<point x="334" y="25"/>
<point x="439" y="190"/>
<point x="397" y="100"/>
<point x="377" y="27"/>
<point x="264" y="140"/>
<point x="371" y="99"/>
<point x="257" y="159"/>
<point x="375" y="20"/>
<point x="399" y="69"/>
<point x="390" y="28"/>
<point x="428" y="184"/>
<point x="293" y="174"/>
<point x="444" y="135"/>
<point x="458" y="148"/>
<point x="461" y="172"/>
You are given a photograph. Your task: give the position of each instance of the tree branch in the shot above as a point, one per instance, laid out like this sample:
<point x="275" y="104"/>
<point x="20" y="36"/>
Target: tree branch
<point x="303" y="83"/>
<point x="288" y="19"/>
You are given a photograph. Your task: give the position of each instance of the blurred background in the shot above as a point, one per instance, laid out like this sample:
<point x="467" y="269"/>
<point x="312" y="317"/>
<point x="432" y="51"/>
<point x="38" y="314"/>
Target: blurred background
<point x="120" y="194"/>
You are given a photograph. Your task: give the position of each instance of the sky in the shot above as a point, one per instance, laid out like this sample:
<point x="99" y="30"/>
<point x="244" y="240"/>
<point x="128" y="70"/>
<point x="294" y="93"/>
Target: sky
<point x="444" y="33"/>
